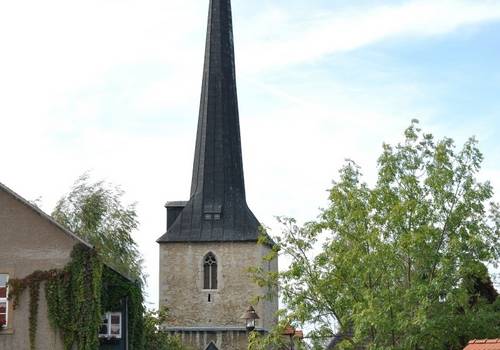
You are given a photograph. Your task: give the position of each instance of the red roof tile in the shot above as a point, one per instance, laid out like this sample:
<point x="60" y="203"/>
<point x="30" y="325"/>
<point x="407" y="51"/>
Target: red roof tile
<point x="290" y="331"/>
<point x="483" y="344"/>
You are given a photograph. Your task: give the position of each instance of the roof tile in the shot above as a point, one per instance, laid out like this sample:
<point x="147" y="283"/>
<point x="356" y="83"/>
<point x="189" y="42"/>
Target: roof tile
<point x="483" y="344"/>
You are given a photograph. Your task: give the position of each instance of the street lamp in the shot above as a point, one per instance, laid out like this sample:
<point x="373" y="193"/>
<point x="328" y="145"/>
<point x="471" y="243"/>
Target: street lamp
<point x="250" y="316"/>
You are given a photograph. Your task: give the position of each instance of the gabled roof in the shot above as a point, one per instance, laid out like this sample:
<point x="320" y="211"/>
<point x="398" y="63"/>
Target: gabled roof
<point x="55" y="223"/>
<point x="43" y="215"/>
<point x="483" y="344"/>
<point x="217" y="209"/>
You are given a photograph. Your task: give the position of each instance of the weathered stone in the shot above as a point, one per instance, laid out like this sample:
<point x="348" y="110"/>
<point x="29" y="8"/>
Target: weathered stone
<point x="192" y="314"/>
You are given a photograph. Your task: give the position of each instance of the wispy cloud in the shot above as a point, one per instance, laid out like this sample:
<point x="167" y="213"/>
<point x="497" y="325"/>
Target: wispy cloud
<point x="283" y="42"/>
<point x="80" y="81"/>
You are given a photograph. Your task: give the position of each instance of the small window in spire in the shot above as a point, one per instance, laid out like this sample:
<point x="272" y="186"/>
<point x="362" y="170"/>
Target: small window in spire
<point x="212" y="212"/>
<point x="212" y="216"/>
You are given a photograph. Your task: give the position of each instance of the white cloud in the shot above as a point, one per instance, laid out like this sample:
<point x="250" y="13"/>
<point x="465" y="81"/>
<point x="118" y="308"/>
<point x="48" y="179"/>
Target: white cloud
<point x="61" y="61"/>
<point x="355" y="27"/>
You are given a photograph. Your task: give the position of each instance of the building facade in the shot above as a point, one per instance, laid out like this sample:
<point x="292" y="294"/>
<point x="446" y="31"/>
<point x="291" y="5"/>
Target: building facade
<point x="32" y="241"/>
<point x="211" y="239"/>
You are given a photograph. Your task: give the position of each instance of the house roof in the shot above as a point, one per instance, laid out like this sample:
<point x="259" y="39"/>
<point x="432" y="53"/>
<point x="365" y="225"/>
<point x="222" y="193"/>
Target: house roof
<point x="217" y="209"/>
<point x="476" y="344"/>
<point x="483" y="344"/>
<point x="44" y="215"/>
<point x="55" y="223"/>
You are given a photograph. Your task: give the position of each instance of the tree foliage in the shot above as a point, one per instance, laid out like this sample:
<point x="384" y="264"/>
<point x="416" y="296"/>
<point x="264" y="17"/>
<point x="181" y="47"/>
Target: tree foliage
<point x="72" y="296"/>
<point x="74" y="300"/>
<point x="115" y="290"/>
<point x="155" y="338"/>
<point x="77" y="296"/>
<point x="94" y="211"/>
<point x="400" y="264"/>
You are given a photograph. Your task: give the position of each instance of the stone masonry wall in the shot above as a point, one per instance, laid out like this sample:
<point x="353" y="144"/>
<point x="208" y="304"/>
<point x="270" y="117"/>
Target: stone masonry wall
<point x="229" y="340"/>
<point x="181" y="287"/>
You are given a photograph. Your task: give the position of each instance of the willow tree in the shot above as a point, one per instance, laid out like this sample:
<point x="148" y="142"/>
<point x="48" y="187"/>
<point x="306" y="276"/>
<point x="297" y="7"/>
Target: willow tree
<point x="94" y="211"/>
<point x="400" y="264"/>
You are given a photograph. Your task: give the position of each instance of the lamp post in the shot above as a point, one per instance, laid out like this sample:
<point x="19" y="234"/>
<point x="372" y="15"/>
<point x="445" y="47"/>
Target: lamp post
<point x="250" y="316"/>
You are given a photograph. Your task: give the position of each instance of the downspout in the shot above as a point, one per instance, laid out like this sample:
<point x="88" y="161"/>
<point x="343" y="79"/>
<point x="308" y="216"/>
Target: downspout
<point x="126" y="323"/>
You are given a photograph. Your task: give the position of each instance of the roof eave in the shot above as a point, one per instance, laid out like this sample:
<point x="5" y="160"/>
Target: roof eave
<point x="55" y="223"/>
<point x="45" y="216"/>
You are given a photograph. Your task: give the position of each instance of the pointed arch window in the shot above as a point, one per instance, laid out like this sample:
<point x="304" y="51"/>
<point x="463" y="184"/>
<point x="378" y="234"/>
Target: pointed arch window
<point x="211" y="346"/>
<point x="210" y="271"/>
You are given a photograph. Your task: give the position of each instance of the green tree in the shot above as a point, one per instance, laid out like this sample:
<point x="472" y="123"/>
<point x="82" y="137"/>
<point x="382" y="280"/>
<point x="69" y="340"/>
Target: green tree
<point x="95" y="212"/>
<point x="400" y="264"/>
<point x="155" y="338"/>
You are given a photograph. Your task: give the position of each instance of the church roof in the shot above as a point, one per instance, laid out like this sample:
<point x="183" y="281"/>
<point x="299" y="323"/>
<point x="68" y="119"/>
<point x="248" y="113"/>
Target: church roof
<point x="217" y="208"/>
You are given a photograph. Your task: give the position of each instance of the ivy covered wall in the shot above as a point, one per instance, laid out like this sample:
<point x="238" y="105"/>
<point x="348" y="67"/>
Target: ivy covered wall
<point x="77" y="297"/>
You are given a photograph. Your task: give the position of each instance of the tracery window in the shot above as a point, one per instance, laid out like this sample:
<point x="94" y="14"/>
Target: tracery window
<point x="210" y="272"/>
<point x="4" y="301"/>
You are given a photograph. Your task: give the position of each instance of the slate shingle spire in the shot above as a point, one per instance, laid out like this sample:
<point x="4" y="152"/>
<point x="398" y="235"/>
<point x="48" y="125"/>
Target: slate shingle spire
<point x="217" y="209"/>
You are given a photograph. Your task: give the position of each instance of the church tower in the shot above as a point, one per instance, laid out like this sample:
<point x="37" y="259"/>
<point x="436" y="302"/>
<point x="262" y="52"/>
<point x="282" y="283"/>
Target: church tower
<point x="211" y="240"/>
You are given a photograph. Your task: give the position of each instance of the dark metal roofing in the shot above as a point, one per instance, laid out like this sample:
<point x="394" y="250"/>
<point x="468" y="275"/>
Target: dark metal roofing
<point x="175" y="204"/>
<point x="217" y="209"/>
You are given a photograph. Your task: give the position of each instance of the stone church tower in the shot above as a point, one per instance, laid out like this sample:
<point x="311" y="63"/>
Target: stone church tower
<point x="211" y="240"/>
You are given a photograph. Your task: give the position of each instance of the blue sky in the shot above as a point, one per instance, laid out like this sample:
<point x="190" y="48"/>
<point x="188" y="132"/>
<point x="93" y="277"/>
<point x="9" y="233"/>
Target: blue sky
<point x="113" y="87"/>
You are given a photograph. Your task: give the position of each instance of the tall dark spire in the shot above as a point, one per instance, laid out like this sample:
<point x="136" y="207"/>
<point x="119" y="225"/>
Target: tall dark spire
<point x="217" y="209"/>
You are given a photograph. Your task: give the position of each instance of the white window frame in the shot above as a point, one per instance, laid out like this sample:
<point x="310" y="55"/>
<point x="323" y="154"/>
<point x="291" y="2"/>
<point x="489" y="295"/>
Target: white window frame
<point x="6" y="301"/>
<point x="108" y="335"/>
